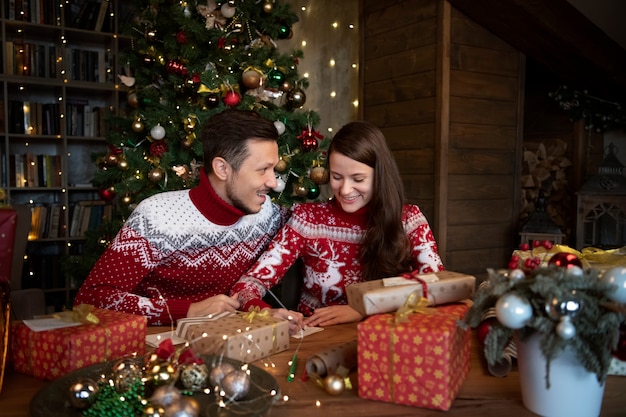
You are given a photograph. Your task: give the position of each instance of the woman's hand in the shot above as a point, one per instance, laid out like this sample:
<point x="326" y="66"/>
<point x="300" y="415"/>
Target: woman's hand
<point x="214" y="305"/>
<point x="327" y="316"/>
<point x="296" y="320"/>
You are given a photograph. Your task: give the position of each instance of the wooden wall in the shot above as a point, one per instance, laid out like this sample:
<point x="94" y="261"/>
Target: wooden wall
<point x="447" y="94"/>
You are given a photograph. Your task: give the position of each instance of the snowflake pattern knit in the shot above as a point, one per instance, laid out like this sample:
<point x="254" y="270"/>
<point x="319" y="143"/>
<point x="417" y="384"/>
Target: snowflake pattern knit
<point x="327" y="239"/>
<point x="177" y="248"/>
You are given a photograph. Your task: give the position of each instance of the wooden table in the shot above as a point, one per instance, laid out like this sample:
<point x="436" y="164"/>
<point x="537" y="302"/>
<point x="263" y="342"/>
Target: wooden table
<point x="482" y="395"/>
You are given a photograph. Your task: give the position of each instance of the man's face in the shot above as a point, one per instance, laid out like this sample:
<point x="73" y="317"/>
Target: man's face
<point x="247" y="188"/>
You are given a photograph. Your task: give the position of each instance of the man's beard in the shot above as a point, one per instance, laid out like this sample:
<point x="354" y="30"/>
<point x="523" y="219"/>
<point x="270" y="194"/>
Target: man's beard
<point x="235" y="201"/>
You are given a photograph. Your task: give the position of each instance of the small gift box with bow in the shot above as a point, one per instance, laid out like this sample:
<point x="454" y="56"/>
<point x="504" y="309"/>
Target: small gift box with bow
<point x="246" y="337"/>
<point x="419" y="356"/>
<point x="388" y="294"/>
<point x="93" y="336"/>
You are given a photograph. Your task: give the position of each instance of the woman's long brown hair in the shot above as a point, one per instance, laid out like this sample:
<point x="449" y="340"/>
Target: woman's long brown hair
<point x="385" y="250"/>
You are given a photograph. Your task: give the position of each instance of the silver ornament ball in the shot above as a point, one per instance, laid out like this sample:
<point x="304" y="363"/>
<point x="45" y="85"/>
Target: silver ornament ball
<point x="82" y="393"/>
<point x="236" y="384"/>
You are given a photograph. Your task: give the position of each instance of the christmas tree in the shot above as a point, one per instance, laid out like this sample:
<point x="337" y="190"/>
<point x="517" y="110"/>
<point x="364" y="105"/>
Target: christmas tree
<point x="187" y="61"/>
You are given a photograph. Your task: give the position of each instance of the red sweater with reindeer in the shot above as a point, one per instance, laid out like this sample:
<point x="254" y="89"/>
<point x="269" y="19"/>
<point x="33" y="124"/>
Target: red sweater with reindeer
<point x="328" y="240"/>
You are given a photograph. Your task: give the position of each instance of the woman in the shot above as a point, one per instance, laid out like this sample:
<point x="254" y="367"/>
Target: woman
<point x="365" y="232"/>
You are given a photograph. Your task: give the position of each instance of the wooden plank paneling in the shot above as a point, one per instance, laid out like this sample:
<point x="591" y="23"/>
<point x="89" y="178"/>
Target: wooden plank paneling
<point x="410" y="136"/>
<point x="490" y="61"/>
<point x="401" y="113"/>
<point x="465" y="162"/>
<point x="484" y="112"/>
<point x="402" y="64"/>
<point x="474" y="136"/>
<point x="415" y="161"/>
<point x="405" y="88"/>
<point x="479" y="187"/>
<point x="404" y="38"/>
<point x="418" y="186"/>
<point x="476" y="261"/>
<point x="479" y="212"/>
<point x="482" y="236"/>
<point x="404" y="13"/>
<point x="467" y="32"/>
<point x="481" y="85"/>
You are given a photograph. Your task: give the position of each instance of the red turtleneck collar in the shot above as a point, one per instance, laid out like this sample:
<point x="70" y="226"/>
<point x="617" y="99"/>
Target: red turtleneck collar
<point x="211" y="205"/>
<point x="358" y="217"/>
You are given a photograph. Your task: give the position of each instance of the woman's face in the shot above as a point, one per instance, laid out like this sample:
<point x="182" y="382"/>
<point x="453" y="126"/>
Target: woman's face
<point x="351" y="181"/>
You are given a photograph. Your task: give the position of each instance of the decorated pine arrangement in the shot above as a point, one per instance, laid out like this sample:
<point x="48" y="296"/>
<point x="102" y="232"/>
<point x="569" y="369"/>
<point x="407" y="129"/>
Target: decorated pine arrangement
<point x="565" y="311"/>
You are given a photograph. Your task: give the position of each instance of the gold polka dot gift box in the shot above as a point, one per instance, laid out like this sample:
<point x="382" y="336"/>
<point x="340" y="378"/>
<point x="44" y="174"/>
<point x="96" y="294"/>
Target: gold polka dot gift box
<point x="418" y="359"/>
<point x="105" y="335"/>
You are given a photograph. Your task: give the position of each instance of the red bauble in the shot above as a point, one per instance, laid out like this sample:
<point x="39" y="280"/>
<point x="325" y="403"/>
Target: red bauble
<point x="565" y="260"/>
<point x="232" y="98"/>
<point x="106" y="194"/>
<point x="483" y="329"/>
<point x="620" y="350"/>
<point x="174" y="66"/>
<point x="181" y="37"/>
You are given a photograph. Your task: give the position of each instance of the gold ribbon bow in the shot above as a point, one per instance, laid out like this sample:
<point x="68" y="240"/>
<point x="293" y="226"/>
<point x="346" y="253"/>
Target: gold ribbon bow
<point x="256" y="312"/>
<point x="413" y="304"/>
<point x="591" y="255"/>
<point x="82" y="313"/>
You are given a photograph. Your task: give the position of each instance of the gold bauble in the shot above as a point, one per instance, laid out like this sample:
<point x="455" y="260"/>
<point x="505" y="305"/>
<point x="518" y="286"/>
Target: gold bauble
<point x="132" y="99"/>
<point x="111" y="159"/>
<point x="268" y="7"/>
<point x="334" y="384"/>
<point x="319" y="175"/>
<point x="137" y="125"/>
<point x="122" y="164"/>
<point x="301" y="190"/>
<point x="251" y="79"/>
<point x="156" y="175"/>
<point x="161" y="374"/>
<point x="286" y="86"/>
<point x="281" y="166"/>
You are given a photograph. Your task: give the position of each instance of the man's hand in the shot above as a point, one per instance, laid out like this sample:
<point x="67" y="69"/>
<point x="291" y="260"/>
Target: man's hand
<point x="214" y="305"/>
<point x="295" y="319"/>
<point x="327" y="316"/>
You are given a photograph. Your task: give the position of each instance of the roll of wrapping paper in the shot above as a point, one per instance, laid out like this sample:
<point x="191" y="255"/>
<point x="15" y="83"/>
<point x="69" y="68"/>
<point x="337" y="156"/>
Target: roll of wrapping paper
<point x="328" y="361"/>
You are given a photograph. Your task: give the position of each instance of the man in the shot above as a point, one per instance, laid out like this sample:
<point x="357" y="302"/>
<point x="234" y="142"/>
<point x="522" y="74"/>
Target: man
<point x="180" y="252"/>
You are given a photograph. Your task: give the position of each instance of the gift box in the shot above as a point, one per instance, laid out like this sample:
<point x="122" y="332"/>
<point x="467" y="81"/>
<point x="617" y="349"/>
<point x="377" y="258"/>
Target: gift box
<point x="617" y="367"/>
<point x="420" y="362"/>
<point x="388" y="294"/>
<point x="246" y="337"/>
<point x="52" y="353"/>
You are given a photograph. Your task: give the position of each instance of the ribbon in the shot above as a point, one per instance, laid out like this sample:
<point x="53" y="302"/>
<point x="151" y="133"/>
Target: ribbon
<point x="204" y="89"/>
<point x="256" y="312"/>
<point x="166" y="349"/>
<point x="188" y="357"/>
<point x="413" y="304"/>
<point x="82" y="313"/>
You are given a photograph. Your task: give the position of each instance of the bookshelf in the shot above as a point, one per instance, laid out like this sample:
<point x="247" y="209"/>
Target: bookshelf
<point x="58" y="85"/>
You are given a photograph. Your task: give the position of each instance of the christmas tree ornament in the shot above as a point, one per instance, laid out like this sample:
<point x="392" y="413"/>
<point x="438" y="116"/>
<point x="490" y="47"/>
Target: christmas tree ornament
<point x="151" y="34"/>
<point x="280" y="127"/>
<point x="127" y="81"/>
<point x="152" y="410"/>
<point x="137" y="125"/>
<point x="616" y="277"/>
<point x="280" y="184"/>
<point x="281" y="166"/>
<point x="313" y="193"/>
<point x="218" y="372"/>
<point x="125" y="373"/>
<point x="620" y="350"/>
<point x="111" y="159"/>
<point x="107" y="194"/>
<point x="185" y="407"/>
<point x="227" y="10"/>
<point x="275" y="78"/>
<point x="334" y="384"/>
<point x="157" y="132"/>
<point x="319" y="175"/>
<point x="181" y="37"/>
<point x="268" y="6"/>
<point x="232" y="98"/>
<point x="301" y="190"/>
<point x="516" y="275"/>
<point x="194" y="376"/>
<point x="513" y="311"/>
<point x="236" y="384"/>
<point x="212" y="100"/>
<point x="565" y="260"/>
<point x="251" y="78"/>
<point x="82" y="393"/>
<point x="156" y="175"/>
<point x="132" y="99"/>
<point x="161" y="373"/>
<point x="176" y="66"/>
<point x="122" y="164"/>
<point x="284" y="32"/>
<point x="286" y="86"/>
<point x="309" y="138"/>
<point x="566" y="329"/>
<point x="165" y="396"/>
<point x="296" y="98"/>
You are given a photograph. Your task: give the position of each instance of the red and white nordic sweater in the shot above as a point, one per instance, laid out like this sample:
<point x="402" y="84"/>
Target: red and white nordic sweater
<point x="177" y="248"/>
<point x="328" y="239"/>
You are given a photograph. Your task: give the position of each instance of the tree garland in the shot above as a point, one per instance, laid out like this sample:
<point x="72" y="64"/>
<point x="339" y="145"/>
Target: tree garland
<point x="599" y="114"/>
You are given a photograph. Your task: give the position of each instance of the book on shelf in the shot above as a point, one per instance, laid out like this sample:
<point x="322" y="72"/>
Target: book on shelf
<point x="35" y="170"/>
<point x="87" y="215"/>
<point x="47" y="12"/>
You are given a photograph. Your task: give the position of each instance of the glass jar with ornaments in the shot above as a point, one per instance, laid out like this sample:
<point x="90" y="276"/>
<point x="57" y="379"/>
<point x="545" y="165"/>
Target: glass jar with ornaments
<point x="565" y="323"/>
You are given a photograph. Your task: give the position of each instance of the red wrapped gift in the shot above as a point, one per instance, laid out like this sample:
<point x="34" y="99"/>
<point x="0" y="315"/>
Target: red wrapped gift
<point x="52" y="353"/>
<point x="421" y="361"/>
